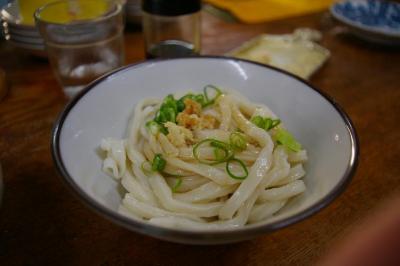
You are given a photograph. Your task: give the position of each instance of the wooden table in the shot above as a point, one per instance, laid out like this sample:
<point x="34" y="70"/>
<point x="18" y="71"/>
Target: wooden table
<point x="42" y="223"/>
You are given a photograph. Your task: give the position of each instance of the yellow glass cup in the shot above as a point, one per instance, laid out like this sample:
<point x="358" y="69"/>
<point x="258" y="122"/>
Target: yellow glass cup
<point x="83" y="39"/>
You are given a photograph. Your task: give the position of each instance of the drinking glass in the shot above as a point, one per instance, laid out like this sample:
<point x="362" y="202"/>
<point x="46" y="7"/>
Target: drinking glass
<point x="83" y="38"/>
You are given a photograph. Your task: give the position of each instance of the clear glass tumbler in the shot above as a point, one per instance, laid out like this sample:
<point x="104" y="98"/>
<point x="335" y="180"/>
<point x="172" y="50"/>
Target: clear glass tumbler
<point x="83" y="38"/>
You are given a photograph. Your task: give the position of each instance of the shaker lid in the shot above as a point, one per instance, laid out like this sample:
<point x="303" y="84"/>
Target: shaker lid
<point x="171" y="7"/>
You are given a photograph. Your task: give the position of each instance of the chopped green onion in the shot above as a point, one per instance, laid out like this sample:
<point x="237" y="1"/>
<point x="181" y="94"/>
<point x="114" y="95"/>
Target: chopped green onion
<point x="160" y="117"/>
<point x="219" y="154"/>
<point x="153" y="127"/>
<point x="170" y="107"/>
<point x="237" y="141"/>
<point x="219" y="144"/>
<point x="165" y="114"/>
<point x="275" y="122"/>
<point x="181" y="102"/>
<point x="189" y="95"/>
<point x="222" y="151"/>
<point x="177" y="185"/>
<point x="158" y="163"/>
<point x="180" y="105"/>
<point x="283" y="137"/>
<point x="168" y="110"/>
<point x="258" y="121"/>
<point x="222" y="147"/>
<point x="265" y="123"/>
<point x="170" y="114"/>
<point x="163" y="129"/>
<point x="245" y="171"/>
<point x="146" y="168"/>
<point x="170" y="102"/>
<point x="200" y="99"/>
<point x="211" y="100"/>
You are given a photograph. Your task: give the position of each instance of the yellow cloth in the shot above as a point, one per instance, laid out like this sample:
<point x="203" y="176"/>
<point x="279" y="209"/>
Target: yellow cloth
<point x="255" y="11"/>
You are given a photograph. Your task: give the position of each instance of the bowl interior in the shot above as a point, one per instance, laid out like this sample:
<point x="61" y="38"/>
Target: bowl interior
<point x="104" y="109"/>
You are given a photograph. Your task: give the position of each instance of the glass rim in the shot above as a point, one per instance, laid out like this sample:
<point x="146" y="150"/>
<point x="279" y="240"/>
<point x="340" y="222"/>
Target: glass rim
<point x="115" y="10"/>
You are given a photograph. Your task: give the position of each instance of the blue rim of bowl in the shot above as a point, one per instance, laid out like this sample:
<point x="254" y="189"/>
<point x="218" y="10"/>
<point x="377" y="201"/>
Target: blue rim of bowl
<point x="360" y="26"/>
<point x="198" y="236"/>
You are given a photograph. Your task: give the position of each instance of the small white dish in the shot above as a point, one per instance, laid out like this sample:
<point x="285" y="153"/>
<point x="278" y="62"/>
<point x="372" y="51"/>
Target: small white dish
<point x="26" y="39"/>
<point x="22" y="36"/>
<point x="104" y="107"/>
<point x="22" y="31"/>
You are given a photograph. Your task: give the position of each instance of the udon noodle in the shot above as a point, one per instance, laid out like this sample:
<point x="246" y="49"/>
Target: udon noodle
<point x="205" y="161"/>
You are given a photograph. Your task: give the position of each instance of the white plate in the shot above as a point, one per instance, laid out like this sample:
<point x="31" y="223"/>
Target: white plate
<point x="27" y="40"/>
<point x="33" y="32"/>
<point x="316" y="121"/>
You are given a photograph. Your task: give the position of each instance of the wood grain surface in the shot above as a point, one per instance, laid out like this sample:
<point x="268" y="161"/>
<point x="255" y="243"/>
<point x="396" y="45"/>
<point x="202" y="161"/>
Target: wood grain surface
<point x="42" y="223"/>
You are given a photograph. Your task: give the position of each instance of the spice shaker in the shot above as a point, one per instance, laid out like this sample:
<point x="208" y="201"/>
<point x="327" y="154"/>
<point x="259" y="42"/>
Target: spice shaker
<point x="171" y="28"/>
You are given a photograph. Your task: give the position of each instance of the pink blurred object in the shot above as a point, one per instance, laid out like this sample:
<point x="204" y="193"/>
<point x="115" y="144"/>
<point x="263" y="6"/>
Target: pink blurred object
<point x="375" y="242"/>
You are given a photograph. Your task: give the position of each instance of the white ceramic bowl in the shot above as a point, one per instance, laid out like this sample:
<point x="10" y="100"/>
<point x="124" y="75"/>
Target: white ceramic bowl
<point x="103" y="108"/>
